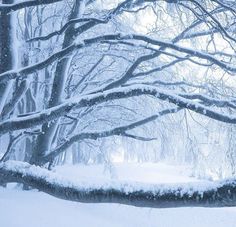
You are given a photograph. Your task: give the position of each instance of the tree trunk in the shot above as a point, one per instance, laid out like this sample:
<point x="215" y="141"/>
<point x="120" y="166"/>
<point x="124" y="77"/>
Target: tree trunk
<point x="44" y="141"/>
<point x="6" y="53"/>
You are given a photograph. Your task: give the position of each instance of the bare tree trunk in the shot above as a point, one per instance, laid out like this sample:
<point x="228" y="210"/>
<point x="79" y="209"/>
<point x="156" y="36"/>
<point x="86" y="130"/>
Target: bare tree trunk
<point x="6" y="54"/>
<point x="44" y="140"/>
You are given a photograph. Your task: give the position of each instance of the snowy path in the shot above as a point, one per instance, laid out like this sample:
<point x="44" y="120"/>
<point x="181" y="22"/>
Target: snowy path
<point x="27" y="209"/>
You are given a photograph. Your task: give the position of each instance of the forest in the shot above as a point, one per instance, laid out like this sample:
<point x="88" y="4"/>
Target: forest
<point x="116" y="85"/>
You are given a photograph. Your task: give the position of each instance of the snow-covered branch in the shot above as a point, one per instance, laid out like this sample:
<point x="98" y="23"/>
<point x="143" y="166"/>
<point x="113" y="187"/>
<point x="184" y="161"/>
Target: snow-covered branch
<point x="211" y="194"/>
<point x="7" y="8"/>
<point x="117" y="131"/>
<point x="13" y="74"/>
<point x="64" y="27"/>
<point x="114" y="94"/>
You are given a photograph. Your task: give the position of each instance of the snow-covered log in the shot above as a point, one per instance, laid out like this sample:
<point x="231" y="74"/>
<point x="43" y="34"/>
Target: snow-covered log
<point x="212" y="194"/>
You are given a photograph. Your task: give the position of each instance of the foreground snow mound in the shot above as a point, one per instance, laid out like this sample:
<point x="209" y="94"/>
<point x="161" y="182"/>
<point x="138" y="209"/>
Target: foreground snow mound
<point x="37" y="209"/>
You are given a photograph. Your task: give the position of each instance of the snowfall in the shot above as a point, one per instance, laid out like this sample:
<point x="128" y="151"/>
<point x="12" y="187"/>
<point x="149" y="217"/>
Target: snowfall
<point x="32" y="208"/>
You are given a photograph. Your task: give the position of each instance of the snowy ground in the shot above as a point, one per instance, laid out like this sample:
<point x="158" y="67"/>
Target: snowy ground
<point x="32" y="208"/>
<point x="132" y="172"/>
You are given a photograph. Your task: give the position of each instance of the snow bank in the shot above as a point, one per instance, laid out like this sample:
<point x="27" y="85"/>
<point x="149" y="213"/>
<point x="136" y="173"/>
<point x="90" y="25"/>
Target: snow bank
<point x="30" y="208"/>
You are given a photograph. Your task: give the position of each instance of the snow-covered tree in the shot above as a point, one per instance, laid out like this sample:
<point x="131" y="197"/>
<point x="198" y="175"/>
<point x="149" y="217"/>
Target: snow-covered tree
<point x="76" y="75"/>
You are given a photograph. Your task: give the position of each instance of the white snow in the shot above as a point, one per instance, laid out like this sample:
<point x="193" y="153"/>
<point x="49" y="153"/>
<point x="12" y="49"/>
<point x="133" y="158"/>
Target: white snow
<point x="151" y="173"/>
<point x="31" y="208"/>
<point x="89" y="178"/>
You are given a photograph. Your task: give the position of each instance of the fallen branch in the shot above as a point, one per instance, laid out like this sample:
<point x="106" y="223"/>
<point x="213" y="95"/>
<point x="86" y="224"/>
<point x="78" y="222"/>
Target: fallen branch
<point x="212" y="194"/>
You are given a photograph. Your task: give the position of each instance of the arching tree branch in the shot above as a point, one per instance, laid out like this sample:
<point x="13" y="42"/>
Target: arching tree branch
<point x="113" y="94"/>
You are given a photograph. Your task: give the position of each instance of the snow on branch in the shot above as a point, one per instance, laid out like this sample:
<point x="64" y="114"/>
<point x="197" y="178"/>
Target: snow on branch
<point x="118" y="131"/>
<point x="219" y="26"/>
<point x="208" y="194"/>
<point x="13" y="74"/>
<point x="7" y="8"/>
<point x="113" y="94"/>
<point x="185" y="50"/>
<point x="229" y="5"/>
<point x="67" y="25"/>
<point x="90" y="22"/>
<point x="211" y="101"/>
<point x="24" y="72"/>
